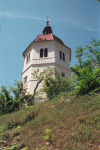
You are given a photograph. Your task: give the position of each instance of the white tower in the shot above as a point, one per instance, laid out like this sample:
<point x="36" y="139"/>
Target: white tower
<point x="47" y="50"/>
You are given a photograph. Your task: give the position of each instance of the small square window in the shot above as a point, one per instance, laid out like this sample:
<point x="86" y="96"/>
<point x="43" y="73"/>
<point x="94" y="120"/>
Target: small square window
<point x="63" y="74"/>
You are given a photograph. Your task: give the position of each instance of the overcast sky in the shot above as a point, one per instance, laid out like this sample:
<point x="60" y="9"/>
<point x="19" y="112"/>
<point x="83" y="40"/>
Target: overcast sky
<point x="74" y="21"/>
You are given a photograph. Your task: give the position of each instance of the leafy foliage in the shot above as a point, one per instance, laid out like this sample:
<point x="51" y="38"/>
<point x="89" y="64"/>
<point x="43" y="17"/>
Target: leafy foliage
<point x="86" y="73"/>
<point x="54" y="86"/>
<point x="9" y="103"/>
<point x="41" y="75"/>
<point x="19" y="89"/>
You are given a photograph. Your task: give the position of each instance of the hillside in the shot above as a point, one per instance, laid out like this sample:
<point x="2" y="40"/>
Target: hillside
<point x="65" y="123"/>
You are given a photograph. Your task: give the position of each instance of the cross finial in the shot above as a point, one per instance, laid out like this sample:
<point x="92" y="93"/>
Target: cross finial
<point x="47" y="20"/>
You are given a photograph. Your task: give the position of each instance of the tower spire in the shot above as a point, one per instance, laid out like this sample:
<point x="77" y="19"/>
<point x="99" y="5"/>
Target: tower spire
<point x="47" y="20"/>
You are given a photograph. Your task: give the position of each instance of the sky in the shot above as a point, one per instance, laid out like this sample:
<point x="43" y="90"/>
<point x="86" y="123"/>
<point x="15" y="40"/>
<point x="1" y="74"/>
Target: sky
<point x="73" y="21"/>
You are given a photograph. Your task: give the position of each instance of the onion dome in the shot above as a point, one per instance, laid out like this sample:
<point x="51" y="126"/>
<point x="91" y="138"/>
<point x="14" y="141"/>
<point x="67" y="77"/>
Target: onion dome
<point x="47" y="29"/>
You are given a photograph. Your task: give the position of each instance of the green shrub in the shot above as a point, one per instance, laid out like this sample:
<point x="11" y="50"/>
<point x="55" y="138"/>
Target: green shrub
<point x="5" y="135"/>
<point x="16" y="131"/>
<point x="54" y="86"/>
<point x="86" y="73"/>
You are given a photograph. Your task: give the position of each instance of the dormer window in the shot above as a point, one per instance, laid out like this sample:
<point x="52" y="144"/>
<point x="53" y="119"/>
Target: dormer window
<point x="44" y="52"/>
<point x="46" y="32"/>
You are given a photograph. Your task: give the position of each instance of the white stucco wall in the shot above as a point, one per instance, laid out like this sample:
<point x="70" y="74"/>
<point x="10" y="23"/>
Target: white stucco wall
<point x="53" y="60"/>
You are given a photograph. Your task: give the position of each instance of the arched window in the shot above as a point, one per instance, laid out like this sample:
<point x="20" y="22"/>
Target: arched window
<point x="28" y="57"/>
<point x="47" y="32"/>
<point x="41" y="52"/>
<point x="45" y="52"/>
<point x="25" y="79"/>
<point x="60" y="54"/>
<point x="63" y="56"/>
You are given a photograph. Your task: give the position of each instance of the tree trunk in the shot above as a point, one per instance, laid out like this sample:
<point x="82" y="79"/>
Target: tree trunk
<point x="37" y="85"/>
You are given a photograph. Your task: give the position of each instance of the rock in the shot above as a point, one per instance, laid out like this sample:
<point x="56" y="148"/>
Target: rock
<point x="47" y="143"/>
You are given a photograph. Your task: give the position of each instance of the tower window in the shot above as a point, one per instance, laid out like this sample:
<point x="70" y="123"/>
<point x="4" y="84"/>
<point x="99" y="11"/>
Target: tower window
<point x="28" y="58"/>
<point x="63" y="56"/>
<point x="60" y="53"/>
<point x="46" y="32"/>
<point x="63" y="74"/>
<point x="41" y="52"/>
<point x="25" y="79"/>
<point x="45" y="52"/>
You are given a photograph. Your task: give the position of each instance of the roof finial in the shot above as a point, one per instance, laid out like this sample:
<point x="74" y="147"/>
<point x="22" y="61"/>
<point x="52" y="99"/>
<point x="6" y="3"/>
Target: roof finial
<point x="47" y="20"/>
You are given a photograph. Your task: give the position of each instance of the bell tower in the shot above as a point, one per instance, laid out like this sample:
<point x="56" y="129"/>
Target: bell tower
<point x="46" y="50"/>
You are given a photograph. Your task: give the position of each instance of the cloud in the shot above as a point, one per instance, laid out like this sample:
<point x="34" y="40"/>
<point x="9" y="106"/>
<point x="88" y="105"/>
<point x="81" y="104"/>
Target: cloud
<point x="14" y="16"/>
<point x="81" y="24"/>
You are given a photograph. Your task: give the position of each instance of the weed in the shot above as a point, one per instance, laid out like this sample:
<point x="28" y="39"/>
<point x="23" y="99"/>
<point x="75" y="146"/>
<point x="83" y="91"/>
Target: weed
<point x="10" y="125"/>
<point x="12" y="147"/>
<point x="81" y="119"/>
<point x="25" y="148"/>
<point x="16" y="131"/>
<point x="48" y="135"/>
<point x="5" y="135"/>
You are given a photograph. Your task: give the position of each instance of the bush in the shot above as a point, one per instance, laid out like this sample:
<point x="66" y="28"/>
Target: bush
<point x="86" y="73"/>
<point x="54" y="86"/>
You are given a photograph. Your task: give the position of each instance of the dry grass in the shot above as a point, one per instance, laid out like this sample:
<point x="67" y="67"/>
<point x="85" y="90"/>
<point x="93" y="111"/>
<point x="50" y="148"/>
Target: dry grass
<point x="74" y="122"/>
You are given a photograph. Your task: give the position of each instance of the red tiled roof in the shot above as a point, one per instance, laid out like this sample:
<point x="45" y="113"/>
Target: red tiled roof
<point x="46" y="37"/>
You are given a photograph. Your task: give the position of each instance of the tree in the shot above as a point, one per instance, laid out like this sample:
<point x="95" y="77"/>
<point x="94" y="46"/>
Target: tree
<point x="41" y="75"/>
<point x="19" y="89"/>
<point x="54" y="86"/>
<point x="9" y="103"/>
<point x="86" y="73"/>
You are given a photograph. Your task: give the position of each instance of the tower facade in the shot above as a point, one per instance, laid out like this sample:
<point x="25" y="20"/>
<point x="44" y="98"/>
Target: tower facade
<point x="47" y="50"/>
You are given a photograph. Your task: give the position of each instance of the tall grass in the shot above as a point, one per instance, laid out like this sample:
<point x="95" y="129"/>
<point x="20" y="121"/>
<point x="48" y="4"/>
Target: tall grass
<point x="74" y="122"/>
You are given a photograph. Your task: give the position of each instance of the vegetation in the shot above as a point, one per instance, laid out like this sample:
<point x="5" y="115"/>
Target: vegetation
<point x="67" y="122"/>
<point x="86" y="73"/>
<point x="53" y="86"/>
<point x="41" y="75"/>
<point x="9" y="103"/>
<point x="69" y="119"/>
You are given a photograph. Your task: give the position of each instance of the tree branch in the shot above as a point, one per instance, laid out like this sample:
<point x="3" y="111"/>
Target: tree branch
<point x="37" y="85"/>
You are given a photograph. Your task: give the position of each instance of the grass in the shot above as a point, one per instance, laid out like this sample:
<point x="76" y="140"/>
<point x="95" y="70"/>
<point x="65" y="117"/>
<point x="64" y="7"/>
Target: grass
<point x="74" y="123"/>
